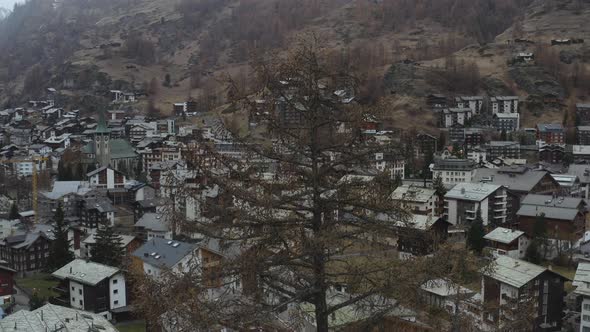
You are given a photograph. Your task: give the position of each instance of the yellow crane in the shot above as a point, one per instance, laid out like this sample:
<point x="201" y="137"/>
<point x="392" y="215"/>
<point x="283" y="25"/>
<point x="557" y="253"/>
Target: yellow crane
<point x="34" y="161"/>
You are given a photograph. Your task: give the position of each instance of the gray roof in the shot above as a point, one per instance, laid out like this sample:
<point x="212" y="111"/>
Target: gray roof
<point x="164" y="253"/>
<point x="547" y="200"/>
<point x="157" y="222"/>
<point x="503" y="235"/>
<point x="444" y="288"/>
<point x="549" y="212"/>
<point x="550" y="127"/>
<point x="472" y="191"/>
<point x="85" y="272"/>
<point x="582" y="171"/>
<point x="517" y="181"/>
<point x="413" y="194"/>
<point x="55" y="318"/>
<point x="514" y="272"/>
<point x="454" y="164"/>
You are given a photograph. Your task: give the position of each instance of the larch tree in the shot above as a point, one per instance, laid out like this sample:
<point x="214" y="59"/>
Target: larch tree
<point x="298" y="231"/>
<point x="59" y="252"/>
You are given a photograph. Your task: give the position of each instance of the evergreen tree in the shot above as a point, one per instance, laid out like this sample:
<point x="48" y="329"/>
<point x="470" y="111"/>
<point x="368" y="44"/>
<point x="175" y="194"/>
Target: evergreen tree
<point x="503" y="136"/>
<point x="439" y="186"/>
<point x="80" y="172"/>
<point x="61" y="171"/>
<point x="108" y="248"/>
<point x="537" y="249"/>
<point x="532" y="252"/>
<point x="475" y="240"/>
<point x="59" y="253"/>
<point x="36" y="301"/>
<point x="13" y="212"/>
<point x="90" y="168"/>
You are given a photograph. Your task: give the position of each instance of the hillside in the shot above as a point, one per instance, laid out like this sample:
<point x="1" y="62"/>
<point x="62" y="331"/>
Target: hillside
<point x="175" y="50"/>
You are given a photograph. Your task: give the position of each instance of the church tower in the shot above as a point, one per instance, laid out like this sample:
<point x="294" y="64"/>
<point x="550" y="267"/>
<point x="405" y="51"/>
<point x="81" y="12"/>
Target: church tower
<point x="102" y="142"/>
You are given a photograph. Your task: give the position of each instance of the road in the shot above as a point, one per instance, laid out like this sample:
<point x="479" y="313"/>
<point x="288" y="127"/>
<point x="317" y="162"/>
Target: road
<point x="21" y="299"/>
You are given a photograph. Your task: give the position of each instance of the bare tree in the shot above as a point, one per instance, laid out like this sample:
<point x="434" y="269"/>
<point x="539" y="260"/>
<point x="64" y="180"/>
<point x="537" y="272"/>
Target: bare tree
<point x="314" y="225"/>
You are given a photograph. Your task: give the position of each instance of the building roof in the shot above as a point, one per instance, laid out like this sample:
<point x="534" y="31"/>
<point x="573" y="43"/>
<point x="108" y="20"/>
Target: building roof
<point x="416" y="221"/>
<point x="411" y="193"/>
<point x="504" y="144"/>
<point x="550" y="127"/>
<point x="62" y="188"/>
<point x="156" y="222"/>
<point x="507" y="115"/>
<point x="582" y="279"/>
<point x="472" y="191"/>
<point x="52" y="317"/>
<point x="503" y="98"/>
<point x="514" y="272"/>
<point x="521" y="179"/>
<point x="549" y="212"/>
<point x="85" y="272"/>
<point x="120" y="149"/>
<point x="580" y="150"/>
<point x="503" y="235"/>
<point x="164" y="253"/>
<point x="444" y="288"/>
<point x="548" y="200"/>
<point x="454" y="164"/>
<point x="581" y="171"/>
<point x="125" y="239"/>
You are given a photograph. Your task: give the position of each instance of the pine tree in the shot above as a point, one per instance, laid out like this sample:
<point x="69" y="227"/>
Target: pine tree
<point x="13" y="212"/>
<point x="475" y="234"/>
<point x="59" y="253"/>
<point x="61" y="171"/>
<point x="503" y="136"/>
<point x="108" y="248"/>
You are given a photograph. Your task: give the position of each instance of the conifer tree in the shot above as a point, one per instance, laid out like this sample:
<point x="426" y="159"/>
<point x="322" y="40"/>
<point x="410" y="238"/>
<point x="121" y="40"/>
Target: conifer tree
<point x="108" y="249"/>
<point x="13" y="212"/>
<point x="59" y="253"/>
<point x="475" y="234"/>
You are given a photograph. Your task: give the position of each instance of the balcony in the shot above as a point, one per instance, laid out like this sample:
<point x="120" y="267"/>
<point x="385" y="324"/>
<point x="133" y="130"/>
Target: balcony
<point x="501" y="196"/>
<point x="500" y="203"/>
<point x="500" y="210"/>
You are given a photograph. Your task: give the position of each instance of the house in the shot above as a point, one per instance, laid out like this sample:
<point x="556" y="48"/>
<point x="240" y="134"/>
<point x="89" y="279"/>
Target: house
<point x="26" y="252"/>
<point x="563" y="217"/>
<point x="478" y="154"/>
<point x="95" y="212"/>
<point x="421" y="235"/>
<point x="505" y="149"/>
<point x="552" y="153"/>
<point x="159" y="255"/>
<point x="569" y="185"/>
<point x="579" y="154"/>
<point x="582" y="284"/>
<point x="453" y="171"/>
<point x="466" y="200"/>
<point x="583" y="114"/>
<point x="524" y="57"/>
<point x="420" y="200"/>
<point x="129" y="243"/>
<point x="518" y="179"/>
<point x="582" y="172"/>
<point x="123" y="97"/>
<point x="513" y="283"/>
<point x="473" y="137"/>
<point x="453" y="116"/>
<point x="505" y="241"/>
<point x="583" y="134"/>
<point x="106" y="178"/>
<point x="154" y="225"/>
<point x="66" y="193"/>
<point x="436" y="100"/>
<point x="475" y="103"/>
<point x="444" y="294"/>
<point x="551" y="133"/>
<point x="93" y="287"/>
<point x="6" y="283"/>
<point x="52" y="317"/>
<point x="504" y="104"/>
<point x="391" y="163"/>
<point x="507" y="122"/>
<point x="427" y="144"/>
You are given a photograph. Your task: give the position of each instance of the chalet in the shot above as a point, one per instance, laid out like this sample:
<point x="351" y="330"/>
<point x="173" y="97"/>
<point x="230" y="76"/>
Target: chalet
<point x="129" y="244"/>
<point x="506" y="149"/>
<point x="154" y="225"/>
<point x="427" y="144"/>
<point x="95" y="212"/>
<point x="518" y="179"/>
<point x="436" y="101"/>
<point x="26" y="252"/>
<point x="524" y="57"/>
<point x="421" y="235"/>
<point x="423" y="201"/>
<point x="444" y="294"/>
<point x="106" y="178"/>
<point x="563" y="217"/>
<point x="512" y="283"/>
<point x="505" y="241"/>
<point x="92" y="287"/>
<point x="466" y="200"/>
<point x="160" y="255"/>
<point x="582" y="172"/>
<point x="555" y="153"/>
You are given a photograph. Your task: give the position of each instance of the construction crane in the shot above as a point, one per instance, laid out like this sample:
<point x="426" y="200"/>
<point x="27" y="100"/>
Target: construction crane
<point x="34" y="161"/>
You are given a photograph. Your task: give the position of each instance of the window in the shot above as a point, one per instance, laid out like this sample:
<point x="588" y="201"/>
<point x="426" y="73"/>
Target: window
<point x="73" y="299"/>
<point x="115" y="281"/>
<point x="115" y="291"/>
<point x="73" y="288"/>
<point x="586" y="318"/>
<point x="586" y="306"/>
<point x="116" y="302"/>
<point x="80" y="291"/>
<point x="81" y="303"/>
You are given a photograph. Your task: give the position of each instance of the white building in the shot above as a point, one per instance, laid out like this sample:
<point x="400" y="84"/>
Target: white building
<point x="582" y="284"/>
<point x="454" y="116"/>
<point x="463" y="202"/>
<point x="419" y="200"/>
<point x="510" y="242"/>
<point x="93" y="287"/>
<point x="504" y="104"/>
<point x="154" y="226"/>
<point x="453" y="171"/>
<point x="475" y="103"/>
<point x="393" y="164"/>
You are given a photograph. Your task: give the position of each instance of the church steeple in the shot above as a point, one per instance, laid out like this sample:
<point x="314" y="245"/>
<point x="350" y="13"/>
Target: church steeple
<point x="102" y="141"/>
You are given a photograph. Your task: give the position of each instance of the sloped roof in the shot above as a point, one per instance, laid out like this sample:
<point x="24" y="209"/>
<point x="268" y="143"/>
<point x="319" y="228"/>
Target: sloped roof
<point x="518" y="180"/>
<point x="472" y="191"/>
<point x="157" y="222"/>
<point x="503" y="235"/>
<point x="164" y="253"/>
<point x="582" y="278"/>
<point x="547" y="200"/>
<point x="120" y="149"/>
<point x="413" y="193"/>
<point x="549" y="212"/>
<point x="85" y="272"/>
<point x="514" y="272"/>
